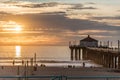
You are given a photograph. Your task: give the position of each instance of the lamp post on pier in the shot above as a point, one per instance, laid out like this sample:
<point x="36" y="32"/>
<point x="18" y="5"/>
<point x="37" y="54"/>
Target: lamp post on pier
<point x="118" y="45"/>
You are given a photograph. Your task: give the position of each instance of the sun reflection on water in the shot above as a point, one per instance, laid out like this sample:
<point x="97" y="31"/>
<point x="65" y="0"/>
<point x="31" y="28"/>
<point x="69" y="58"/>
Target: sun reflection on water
<point x="18" y="51"/>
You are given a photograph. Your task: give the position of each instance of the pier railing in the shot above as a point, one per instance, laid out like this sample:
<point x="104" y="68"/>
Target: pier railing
<point x="61" y="77"/>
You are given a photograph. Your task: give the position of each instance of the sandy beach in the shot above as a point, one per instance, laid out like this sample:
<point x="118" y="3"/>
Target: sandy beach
<point x="56" y="71"/>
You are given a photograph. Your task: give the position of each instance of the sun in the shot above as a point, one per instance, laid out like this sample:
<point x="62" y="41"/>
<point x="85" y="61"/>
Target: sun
<point x="13" y="27"/>
<point x="17" y="29"/>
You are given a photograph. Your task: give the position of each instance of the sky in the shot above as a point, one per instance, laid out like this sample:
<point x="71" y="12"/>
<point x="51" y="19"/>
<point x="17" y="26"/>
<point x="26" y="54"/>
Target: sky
<point x="56" y="22"/>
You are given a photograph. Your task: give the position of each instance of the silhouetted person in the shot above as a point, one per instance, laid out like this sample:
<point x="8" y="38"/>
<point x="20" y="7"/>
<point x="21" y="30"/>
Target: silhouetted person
<point x="13" y="62"/>
<point x="35" y="67"/>
<point x="22" y="62"/>
<point x="83" y="64"/>
<point x="2" y="67"/>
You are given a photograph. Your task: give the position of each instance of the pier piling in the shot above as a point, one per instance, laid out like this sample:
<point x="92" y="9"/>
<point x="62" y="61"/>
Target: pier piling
<point x="102" y="56"/>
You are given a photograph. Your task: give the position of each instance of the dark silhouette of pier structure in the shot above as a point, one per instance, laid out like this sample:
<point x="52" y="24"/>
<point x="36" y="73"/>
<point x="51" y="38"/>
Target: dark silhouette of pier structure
<point x="103" y="55"/>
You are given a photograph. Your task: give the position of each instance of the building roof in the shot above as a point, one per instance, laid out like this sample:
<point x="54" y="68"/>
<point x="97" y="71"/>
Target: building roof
<point x="89" y="39"/>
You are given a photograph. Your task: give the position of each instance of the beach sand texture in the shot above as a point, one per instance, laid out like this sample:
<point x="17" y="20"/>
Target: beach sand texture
<point x="56" y="71"/>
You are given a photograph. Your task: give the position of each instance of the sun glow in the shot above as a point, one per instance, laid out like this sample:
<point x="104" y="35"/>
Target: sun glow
<point x="17" y="28"/>
<point x="12" y="26"/>
<point x="18" y="51"/>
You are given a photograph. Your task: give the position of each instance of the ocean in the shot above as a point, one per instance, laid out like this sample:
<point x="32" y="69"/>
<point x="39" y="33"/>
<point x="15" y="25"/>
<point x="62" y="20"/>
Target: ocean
<point x="42" y="52"/>
<point x="47" y="55"/>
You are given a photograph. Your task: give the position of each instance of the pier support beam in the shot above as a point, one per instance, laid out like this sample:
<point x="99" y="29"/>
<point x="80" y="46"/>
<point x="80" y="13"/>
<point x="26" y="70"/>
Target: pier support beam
<point x="79" y="54"/>
<point x="71" y="54"/>
<point x="76" y="54"/>
<point x="115" y="62"/>
<point x="118" y="61"/>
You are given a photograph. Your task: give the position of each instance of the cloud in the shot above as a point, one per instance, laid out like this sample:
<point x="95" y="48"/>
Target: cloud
<point x="106" y="17"/>
<point x="81" y="7"/>
<point x="10" y="2"/>
<point x="23" y="7"/>
<point x="59" y="21"/>
<point x="26" y="4"/>
<point x="91" y="3"/>
<point x="111" y="20"/>
<point x="38" y="5"/>
<point x="2" y="14"/>
<point x="30" y="8"/>
<point x="58" y="27"/>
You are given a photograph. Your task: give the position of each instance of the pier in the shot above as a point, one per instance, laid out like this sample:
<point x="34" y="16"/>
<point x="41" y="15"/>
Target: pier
<point x="105" y="56"/>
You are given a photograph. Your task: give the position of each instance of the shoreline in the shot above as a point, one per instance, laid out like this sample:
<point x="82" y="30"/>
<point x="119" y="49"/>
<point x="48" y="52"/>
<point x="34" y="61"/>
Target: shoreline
<point x="51" y="63"/>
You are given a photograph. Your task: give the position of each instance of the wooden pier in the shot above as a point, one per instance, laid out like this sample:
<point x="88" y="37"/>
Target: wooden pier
<point x="104" y="56"/>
